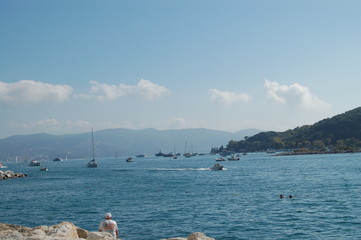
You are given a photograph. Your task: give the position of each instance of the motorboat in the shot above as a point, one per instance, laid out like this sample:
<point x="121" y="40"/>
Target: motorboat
<point x="92" y="164"/>
<point x="220" y="159"/>
<point x="129" y="159"/>
<point x="233" y="158"/>
<point x="34" y="163"/>
<point x="217" y="166"/>
<point x="160" y="154"/>
<point x="141" y="155"/>
<point x="58" y="160"/>
<point x="43" y="169"/>
<point x="168" y="155"/>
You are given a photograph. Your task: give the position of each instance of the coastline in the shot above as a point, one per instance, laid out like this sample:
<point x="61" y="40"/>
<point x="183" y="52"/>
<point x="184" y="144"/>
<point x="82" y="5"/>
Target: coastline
<point x="68" y="231"/>
<point x="309" y="152"/>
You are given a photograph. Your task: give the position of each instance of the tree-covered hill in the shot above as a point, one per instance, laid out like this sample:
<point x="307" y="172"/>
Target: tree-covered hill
<point x="342" y="131"/>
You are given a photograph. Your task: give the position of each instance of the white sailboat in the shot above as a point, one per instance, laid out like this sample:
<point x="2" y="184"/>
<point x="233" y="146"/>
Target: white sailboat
<point x="92" y="163"/>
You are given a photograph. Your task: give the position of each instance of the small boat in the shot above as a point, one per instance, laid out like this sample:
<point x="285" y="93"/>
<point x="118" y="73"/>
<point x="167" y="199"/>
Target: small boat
<point x="58" y="160"/>
<point x="34" y="163"/>
<point x="2" y="166"/>
<point x="160" y="154"/>
<point x="92" y="163"/>
<point x="220" y="159"/>
<point x="129" y="159"/>
<point x="43" y="169"/>
<point x="141" y="155"/>
<point x="233" y="158"/>
<point x="217" y="166"/>
<point x="168" y="155"/>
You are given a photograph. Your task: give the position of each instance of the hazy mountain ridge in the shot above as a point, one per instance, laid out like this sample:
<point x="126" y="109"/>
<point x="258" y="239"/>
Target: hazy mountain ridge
<point x="124" y="142"/>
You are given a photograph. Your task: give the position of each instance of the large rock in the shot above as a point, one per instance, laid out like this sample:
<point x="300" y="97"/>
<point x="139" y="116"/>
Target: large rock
<point x="193" y="236"/>
<point x="99" y="236"/>
<point x="62" y="231"/>
<point x="199" y="236"/>
<point x="67" y="231"/>
<point x="10" y="174"/>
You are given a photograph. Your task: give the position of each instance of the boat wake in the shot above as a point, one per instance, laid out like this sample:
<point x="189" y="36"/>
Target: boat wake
<point x="179" y="169"/>
<point x="164" y="169"/>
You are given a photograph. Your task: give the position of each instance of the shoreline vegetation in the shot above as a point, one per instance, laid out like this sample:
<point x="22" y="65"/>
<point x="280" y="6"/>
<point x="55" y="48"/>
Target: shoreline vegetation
<point x="339" y="133"/>
<point x="68" y="231"/>
<point x="313" y="152"/>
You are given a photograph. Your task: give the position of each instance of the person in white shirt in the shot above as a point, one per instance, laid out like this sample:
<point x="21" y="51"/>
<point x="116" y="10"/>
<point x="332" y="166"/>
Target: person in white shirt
<point x="108" y="225"/>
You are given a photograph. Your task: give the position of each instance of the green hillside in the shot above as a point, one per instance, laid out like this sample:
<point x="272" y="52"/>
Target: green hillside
<point x="339" y="133"/>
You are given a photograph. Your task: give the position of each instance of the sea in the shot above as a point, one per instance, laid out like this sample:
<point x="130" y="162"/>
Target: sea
<point x="155" y="197"/>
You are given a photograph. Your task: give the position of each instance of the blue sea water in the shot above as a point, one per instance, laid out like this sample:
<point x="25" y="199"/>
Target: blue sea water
<point x="154" y="198"/>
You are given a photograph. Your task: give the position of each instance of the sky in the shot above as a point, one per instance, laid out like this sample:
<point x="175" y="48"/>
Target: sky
<point x="69" y="66"/>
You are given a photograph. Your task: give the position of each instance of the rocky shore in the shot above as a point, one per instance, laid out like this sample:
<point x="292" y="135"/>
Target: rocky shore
<point x="10" y="174"/>
<point x="67" y="231"/>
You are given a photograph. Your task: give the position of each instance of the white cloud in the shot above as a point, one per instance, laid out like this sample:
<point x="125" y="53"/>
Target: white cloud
<point x="228" y="98"/>
<point x="150" y="90"/>
<point x="172" y="123"/>
<point x="144" y="88"/>
<point x="294" y="95"/>
<point x="30" y="92"/>
<point x="175" y="123"/>
<point x="54" y="126"/>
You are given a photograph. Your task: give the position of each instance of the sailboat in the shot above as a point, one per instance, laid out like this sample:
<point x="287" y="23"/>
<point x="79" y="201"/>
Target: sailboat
<point x="92" y="163"/>
<point x="174" y="153"/>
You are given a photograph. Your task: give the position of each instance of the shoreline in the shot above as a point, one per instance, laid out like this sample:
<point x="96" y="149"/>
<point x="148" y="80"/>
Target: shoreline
<point x="68" y="231"/>
<point x="313" y="153"/>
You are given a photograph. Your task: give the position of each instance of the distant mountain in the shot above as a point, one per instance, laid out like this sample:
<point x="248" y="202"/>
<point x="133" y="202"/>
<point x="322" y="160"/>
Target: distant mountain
<point x="123" y="142"/>
<point x="339" y="132"/>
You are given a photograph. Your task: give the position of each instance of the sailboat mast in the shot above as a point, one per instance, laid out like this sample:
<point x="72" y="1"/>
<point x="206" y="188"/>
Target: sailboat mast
<point x="93" y="144"/>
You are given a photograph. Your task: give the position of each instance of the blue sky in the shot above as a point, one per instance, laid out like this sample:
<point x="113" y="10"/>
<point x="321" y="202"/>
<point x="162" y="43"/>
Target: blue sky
<point x="67" y="66"/>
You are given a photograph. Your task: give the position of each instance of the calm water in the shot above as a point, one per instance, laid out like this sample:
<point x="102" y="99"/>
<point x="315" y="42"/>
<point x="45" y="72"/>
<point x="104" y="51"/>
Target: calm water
<point x="154" y="198"/>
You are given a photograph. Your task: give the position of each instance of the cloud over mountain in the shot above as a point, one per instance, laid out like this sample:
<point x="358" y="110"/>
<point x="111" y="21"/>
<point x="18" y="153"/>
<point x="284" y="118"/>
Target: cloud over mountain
<point x="294" y="95"/>
<point x="143" y="88"/>
<point x="29" y="92"/>
<point x="228" y="98"/>
<point x="55" y="126"/>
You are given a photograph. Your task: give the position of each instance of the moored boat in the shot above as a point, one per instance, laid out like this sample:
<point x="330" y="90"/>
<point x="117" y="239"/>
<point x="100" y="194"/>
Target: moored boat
<point x="129" y="159"/>
<point x="43" y="169"/>
<point x="168" y="155"/>
<point x="160" y="154"/>
<point x="233" y="158"/>
<point x="92" y="164"/>
<point x="34" y="163"/>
